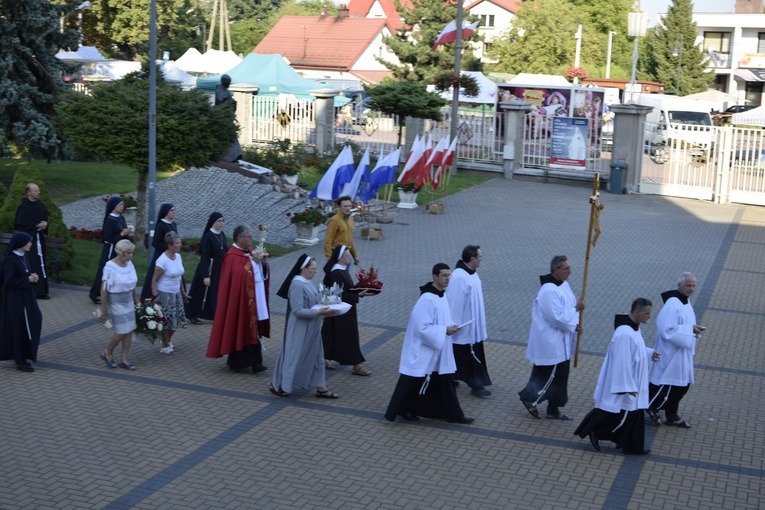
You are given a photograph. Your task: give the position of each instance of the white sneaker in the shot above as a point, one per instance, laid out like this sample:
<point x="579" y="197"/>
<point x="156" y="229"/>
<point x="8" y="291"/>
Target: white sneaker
<point x="166" y="350"/>
<point x="172" y="346"/>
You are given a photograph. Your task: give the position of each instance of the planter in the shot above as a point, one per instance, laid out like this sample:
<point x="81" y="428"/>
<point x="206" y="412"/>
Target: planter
<point x="291" y="179"/>
<point x="307" y="235"/>
<point x="371" y="233"/>
<point x="130" y="214"/>
<point x="435" y="208"/>
<point x="407" y="199"/>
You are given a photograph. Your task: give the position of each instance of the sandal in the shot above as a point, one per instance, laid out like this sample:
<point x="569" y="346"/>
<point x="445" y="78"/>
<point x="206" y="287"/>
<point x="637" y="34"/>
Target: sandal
<point x="360" y="371"/>
<point x="654" y="415"/>
<point x="109" y="362"/>
<point x="126" y="366"/>
<point x="326" y="394"/>
<point x="279" y="393"/>
<point x="328" y="365"/>
<point x="682" y="424"/>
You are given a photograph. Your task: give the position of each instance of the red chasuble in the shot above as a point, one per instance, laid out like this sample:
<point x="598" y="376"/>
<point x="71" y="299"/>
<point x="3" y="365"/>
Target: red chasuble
<point x="236" y="318"/>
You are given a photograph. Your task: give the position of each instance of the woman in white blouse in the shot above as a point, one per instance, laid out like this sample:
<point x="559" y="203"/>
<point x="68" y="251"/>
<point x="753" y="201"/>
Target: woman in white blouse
<point x="118" y="300"/>
<point x="167" y="285"/>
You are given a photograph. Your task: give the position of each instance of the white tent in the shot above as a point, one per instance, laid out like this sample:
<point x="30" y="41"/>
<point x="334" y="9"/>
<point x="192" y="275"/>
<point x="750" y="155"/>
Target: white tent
<point x="487" y="90"/>
<point x="753" y="117"/>
<point x="721" y="99"/>
<point x="212" y="62"/>
<point x="174" y="74"/>
<point x="549" y="80"/>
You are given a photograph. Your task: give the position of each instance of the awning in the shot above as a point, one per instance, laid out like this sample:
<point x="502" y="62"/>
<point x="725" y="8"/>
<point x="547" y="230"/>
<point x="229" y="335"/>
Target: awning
<point x="749" y="74"/>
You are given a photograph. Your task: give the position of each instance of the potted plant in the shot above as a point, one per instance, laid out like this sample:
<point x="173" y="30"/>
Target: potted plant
<point x="407" y="196"/>
<point x="307" y="223"/>
<point x="288" y="171"/>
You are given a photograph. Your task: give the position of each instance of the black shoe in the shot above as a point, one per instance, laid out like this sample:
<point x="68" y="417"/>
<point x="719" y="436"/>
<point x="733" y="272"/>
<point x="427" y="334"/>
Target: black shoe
<point x="96" y="300"/>
<point x="25" y="368"/>
<point x="637" y="452"/>
<point x="256" y="369"/>
<point x="409" y="416"/>
<point x="46" y="296"/>
<point x="594" y="441"/>
<point x="480" y="392"/>
<point x="464" y="420"/>
<point x="531" y="408"/>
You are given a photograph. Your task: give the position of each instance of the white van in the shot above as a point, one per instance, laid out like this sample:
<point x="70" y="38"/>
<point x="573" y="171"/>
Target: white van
<point x="676" y="122"/>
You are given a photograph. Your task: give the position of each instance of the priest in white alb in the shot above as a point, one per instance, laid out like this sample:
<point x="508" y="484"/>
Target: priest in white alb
<point x="621" y="394"/>
<point x="465" y="296"/>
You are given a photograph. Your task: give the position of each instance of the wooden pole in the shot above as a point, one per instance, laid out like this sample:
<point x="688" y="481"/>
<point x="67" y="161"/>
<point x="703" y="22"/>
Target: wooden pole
<point x="595" y="209"/>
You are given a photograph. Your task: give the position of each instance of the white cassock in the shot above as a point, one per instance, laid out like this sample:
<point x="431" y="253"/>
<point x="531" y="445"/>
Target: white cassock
<point x="624" y="370"/>
<point x="554" y="318"/>
<point x="465" y="296"/>
<point x="675" y="342"/>
<point x="427" y="348"/>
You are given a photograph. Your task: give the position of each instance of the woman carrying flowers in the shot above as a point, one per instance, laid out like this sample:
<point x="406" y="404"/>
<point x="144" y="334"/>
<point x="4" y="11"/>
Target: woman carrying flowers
<point x="118" y="300"/>
<point x="167" y="285"/>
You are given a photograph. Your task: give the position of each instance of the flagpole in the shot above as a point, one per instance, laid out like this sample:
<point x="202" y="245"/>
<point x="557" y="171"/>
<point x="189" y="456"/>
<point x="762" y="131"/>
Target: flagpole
<point x="595" y="209"/>
<point x="457" y="69"/>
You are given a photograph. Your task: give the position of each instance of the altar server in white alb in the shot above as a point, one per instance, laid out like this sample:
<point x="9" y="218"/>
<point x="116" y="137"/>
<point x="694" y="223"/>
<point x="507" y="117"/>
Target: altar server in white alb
<point x="676" y="337"/>
<point x="465" y="296"/>
<point x="622" y="390"/>
<point x="426" y="384"/>
<point x="552" y="339"/>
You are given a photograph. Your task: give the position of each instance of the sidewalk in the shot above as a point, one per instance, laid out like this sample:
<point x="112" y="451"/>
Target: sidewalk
<point x="183" y="432"/>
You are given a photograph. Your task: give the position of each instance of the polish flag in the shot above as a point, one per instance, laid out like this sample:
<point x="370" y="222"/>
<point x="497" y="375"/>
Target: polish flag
<point x="449" y="33"/>
<point x="446" y="160"/>
<point x="409" y="173"/>
<point x="423" y="170"/>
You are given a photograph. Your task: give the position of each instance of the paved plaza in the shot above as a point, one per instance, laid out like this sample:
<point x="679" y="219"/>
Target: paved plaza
<point x="183" y="432"/>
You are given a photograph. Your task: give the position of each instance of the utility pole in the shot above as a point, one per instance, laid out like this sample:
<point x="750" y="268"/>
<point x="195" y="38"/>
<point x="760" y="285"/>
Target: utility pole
<point x="455" y="111"/>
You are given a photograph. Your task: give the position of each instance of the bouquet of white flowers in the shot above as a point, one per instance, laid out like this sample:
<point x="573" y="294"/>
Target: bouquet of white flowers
<point x="150" y="319"/>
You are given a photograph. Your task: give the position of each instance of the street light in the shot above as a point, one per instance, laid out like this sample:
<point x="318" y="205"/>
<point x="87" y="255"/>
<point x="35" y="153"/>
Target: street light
<point x="677" y="51"/>
<point x="84" y="5"/>
<point x="611" y="35"/>
<point x="636" y="27"/>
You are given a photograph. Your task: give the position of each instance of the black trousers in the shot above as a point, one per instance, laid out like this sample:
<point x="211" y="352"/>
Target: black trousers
<point x="668" y="398"/>
<point x="625" y="428"/>
<point x="438" y="401"/>
<point x="550" y="383"/>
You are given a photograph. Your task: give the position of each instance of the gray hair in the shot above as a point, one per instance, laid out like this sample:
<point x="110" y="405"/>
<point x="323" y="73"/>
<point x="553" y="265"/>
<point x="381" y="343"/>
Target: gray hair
<point x="123" y="246"/>
<point x="171" y="237"/>
<point x="685" y="276"/>
<point x="241" y="230"/>
<point x="557" y="261"/>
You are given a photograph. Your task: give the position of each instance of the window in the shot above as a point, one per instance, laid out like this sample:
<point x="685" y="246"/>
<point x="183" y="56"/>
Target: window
<point x="718" y="41"/>
<point x="486" y="48"/>
<point x="761" y="42"/>
<point x="487" y="20"/>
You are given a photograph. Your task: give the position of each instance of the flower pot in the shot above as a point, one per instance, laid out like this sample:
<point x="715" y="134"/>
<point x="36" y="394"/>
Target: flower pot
<point x="130" y="214"/>
<point x="435" y="208"/>
<point x="371" y="233"/>
<point x="307" y="235"/>
<point x="407" y="199"/>
<point x="291" y="179"/>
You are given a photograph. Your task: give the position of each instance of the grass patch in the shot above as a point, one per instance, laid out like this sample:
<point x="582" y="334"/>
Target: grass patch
<point x="69" y="181"/>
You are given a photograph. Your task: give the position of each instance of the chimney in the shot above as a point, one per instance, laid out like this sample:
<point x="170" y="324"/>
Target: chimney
<point x="342" y="12"/>
<point x="323" y="11"/>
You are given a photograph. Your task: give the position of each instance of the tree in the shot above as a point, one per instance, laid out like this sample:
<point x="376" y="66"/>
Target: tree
<point x="405" y="99"/>
<point x="541" y="39"/>
<point x="423" y="21"/>
<point x="604" y="16"/>
<point x="30" y="75"/>
<point x="111" y="124"/>
<point x="660" y="58"/>
<point x="56" y="226"/>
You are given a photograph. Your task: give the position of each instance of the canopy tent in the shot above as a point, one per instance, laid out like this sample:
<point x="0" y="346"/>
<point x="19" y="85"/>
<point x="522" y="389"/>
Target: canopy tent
<point x="175" y="75"/>
<point x="82" y="55"/>
<point x="212" y="62"/>
<point x="720" y="99"/>
<point x="753" y="117"/>
<point x="549" y="80"/>
<point x="487" y="90"/>
<point x="271" y="74"/>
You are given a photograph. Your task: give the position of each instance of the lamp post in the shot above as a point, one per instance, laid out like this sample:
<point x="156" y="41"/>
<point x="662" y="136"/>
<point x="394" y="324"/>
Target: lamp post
<point x="84" y="5"/>
<point x="611" y="35"/>
<point x="636" y="27"/>
<point x="678" y="52"/>
<point x="578" y="37"/>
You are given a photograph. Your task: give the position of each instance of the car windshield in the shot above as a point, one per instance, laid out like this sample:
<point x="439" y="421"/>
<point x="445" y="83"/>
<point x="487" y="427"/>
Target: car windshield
<point x="692" y="118"/>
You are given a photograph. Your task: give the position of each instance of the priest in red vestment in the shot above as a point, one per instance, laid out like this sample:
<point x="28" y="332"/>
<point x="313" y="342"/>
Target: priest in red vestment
<point x="242" y="314"/>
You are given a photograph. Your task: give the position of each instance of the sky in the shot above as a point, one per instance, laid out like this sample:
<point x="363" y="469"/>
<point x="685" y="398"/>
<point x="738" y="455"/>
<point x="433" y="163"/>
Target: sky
<point x="655" y="7"/>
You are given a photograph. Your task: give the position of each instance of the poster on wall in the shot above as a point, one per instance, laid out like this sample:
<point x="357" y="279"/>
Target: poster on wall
<point x="569" y="143"/>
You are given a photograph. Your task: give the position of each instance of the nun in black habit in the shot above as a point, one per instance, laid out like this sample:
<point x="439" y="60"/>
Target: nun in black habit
<point x="114" y="230"/>
<point x="203" y="297"/>
<point x="21" y="320"/>
<point x="164" y="225"/>
<point x="340" y="334"/>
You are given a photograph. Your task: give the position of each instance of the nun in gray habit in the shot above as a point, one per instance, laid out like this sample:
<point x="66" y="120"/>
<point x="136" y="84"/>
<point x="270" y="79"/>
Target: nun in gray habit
<point x="301" y="358"/>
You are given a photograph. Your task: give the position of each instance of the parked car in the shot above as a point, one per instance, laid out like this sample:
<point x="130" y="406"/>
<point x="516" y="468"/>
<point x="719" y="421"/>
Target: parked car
<point x="738" y="108"/>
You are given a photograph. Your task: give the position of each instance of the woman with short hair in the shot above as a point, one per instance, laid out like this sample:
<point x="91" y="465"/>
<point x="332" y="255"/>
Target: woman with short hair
<point x="118" y="300"/>
<point x="167" y="285"/>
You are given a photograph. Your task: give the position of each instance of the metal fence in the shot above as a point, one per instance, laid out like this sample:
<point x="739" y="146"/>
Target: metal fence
<point x="275" y="118"/>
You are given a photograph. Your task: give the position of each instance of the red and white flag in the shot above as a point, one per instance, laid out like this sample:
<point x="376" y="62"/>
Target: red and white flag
<point x="409" y="173"/>
<point x="447" y="159"/>
<point x="449" y="33"/>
